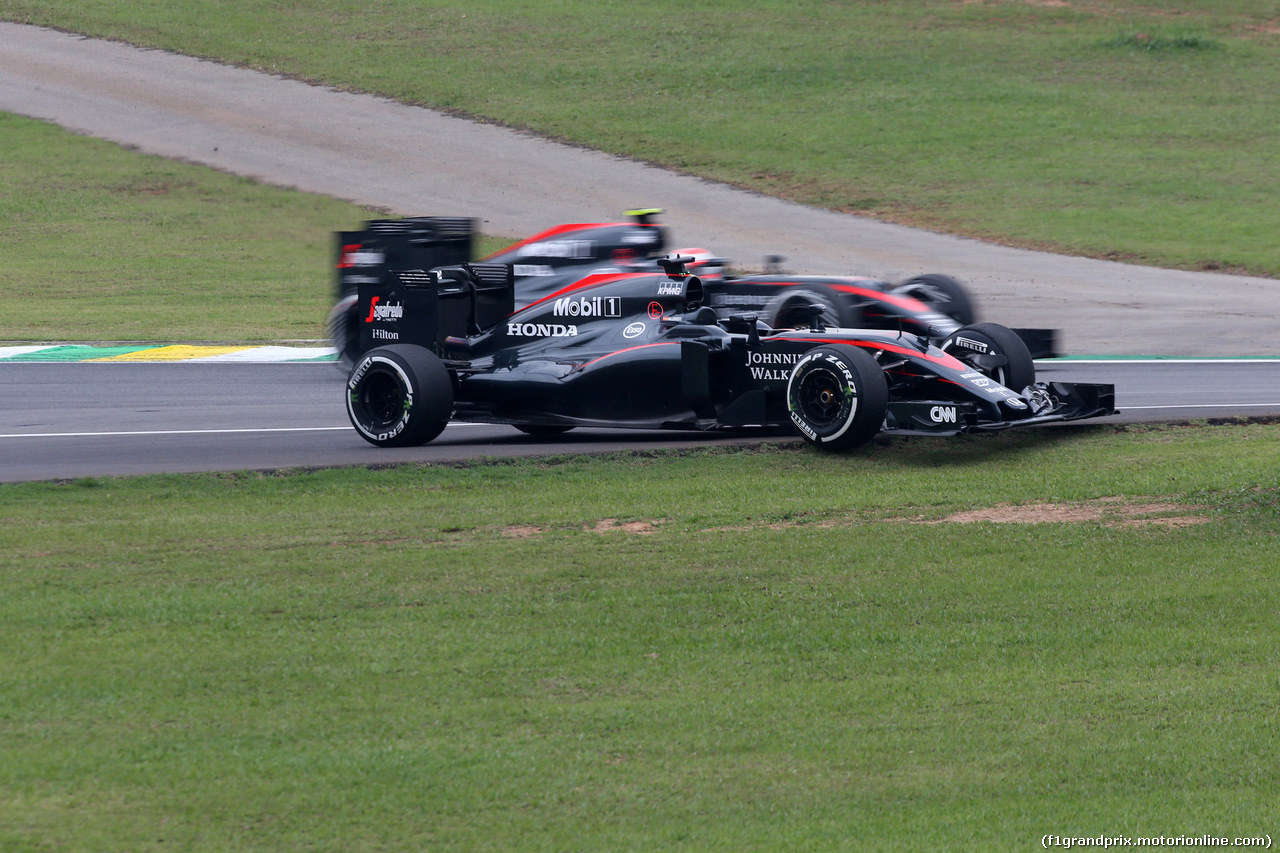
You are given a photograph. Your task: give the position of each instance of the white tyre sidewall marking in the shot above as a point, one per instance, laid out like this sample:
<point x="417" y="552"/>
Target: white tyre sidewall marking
<point x="834" y="363"/>
<point x="998" y="375"/>
<point x="359" y="373"/>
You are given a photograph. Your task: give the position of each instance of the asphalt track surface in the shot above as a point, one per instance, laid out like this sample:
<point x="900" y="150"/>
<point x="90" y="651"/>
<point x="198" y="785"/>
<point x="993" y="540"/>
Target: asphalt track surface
<point x="102" y="419"/>
<point x="77" y="420"/>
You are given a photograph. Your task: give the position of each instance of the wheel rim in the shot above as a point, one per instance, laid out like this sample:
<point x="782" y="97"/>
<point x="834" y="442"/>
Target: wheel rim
<point x="971" y="360"/>
<point x="940" y="294"/>
<point x="931" y="296"/>
<point x="795" y="313"/>
<point x="382" y="399"/>
<point x="821" y="398"/>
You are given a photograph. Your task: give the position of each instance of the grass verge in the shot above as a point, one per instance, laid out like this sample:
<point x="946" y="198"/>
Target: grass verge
<point x="107" y="244"/>
<point x="760" y="648"/>
<point x="1123" y="130"/>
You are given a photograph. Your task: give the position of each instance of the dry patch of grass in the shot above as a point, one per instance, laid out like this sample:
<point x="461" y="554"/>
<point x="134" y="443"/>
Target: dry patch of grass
<point x="604" y="525"/>
<point x="1113" y="512"/>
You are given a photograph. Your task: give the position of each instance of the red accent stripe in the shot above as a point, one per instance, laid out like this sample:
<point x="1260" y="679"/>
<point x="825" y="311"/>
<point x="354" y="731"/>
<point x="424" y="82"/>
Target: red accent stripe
<point x="554" y="232"/>
<point x="590" y="281"/>
<point x="586" y="364"/>
<point x="944" y="360"/>
<point x="906" y="303"/>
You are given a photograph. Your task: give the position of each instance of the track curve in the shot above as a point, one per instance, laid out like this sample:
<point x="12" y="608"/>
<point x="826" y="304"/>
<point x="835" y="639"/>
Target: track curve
<point x="415" y="161"/>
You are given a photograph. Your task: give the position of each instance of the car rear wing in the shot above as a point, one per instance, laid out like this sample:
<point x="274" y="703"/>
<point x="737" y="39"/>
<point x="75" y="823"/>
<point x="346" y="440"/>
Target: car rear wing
<point x="385" y="245"/>
<point x="430" y="307"/>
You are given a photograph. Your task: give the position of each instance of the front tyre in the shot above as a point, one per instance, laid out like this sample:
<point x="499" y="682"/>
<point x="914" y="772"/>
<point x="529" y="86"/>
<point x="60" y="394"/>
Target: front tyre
<point x="793" y="312"/>
<point x="399" y="396"/>
<point x="995" y="351"/>
<point x="837" y="397"/>
<point x="940" y="292"/>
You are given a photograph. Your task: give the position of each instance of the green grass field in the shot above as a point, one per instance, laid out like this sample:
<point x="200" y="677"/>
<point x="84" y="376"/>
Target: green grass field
<point x="1140" y="131"/>
<point x="733" y="649"/>
<point x="929" y="644"/>
<point x="105" y="244"/>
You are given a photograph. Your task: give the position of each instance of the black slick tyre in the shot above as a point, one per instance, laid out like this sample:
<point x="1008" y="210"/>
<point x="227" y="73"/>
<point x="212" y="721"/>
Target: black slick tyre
<point x="995" y="351"/>
<point x="940" y="292"/>
<point x="399" y="396"/>
<point x="344" y="331"/>
<point x="837" y="397"/>
<point x="793" y="313"/>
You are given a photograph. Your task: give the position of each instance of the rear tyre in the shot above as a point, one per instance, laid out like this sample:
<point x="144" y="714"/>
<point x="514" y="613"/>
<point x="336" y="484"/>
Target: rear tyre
<point x="399" y="396"/>
<point x="837" y="397"/>
<point x="344" y="331"/>
<point x="995" y="351"/>
<point x="940" y="292"/>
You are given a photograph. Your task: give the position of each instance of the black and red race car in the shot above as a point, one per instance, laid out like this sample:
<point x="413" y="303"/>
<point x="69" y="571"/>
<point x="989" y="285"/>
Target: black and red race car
<point x="933" y="305"/>
<point x="641" y="348"/>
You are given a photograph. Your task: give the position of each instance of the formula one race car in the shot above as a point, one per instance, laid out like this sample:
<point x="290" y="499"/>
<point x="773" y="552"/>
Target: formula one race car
<point x="933" y="305"/>
<point x="642" y="349"/>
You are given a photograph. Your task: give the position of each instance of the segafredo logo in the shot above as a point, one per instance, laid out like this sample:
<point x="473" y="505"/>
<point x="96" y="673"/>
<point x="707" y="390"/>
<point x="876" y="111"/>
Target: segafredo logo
<point x="588" y="306"/>
<point x="541" y="330"/>
<point x="389" y="311"/>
